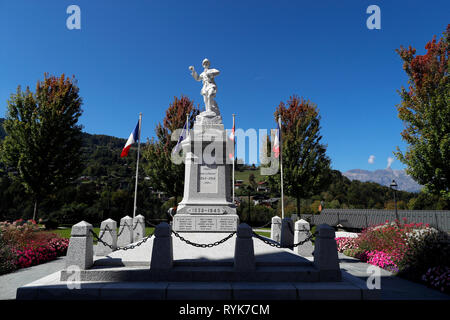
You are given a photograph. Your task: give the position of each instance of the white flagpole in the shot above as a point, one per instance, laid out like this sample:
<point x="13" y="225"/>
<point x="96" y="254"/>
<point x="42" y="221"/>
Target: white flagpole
<point x="234" y="154"/>
<point x="281" y="165"/>
<point x="137" y="165"/>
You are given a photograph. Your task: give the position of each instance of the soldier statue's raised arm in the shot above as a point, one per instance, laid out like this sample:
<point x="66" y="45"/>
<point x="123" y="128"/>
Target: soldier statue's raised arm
<point x="209" y="88"/>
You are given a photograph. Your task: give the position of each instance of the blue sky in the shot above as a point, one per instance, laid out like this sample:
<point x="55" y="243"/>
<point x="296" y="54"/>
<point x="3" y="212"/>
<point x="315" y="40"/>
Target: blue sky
<point x="133" y="56"/>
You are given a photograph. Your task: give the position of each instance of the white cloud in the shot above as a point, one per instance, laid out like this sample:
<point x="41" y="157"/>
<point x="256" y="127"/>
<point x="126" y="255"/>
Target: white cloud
<point x="371" y="159"/>
<point x="389" y="161"/>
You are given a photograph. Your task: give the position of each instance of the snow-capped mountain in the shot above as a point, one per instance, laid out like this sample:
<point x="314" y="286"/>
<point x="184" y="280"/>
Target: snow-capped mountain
<point x="385" y="177"/>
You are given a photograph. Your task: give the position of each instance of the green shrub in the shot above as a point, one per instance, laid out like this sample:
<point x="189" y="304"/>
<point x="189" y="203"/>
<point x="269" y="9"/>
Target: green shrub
<point x="427" y="249"/>
<point x="354" y="253"/>
<point x="7" y="256"/>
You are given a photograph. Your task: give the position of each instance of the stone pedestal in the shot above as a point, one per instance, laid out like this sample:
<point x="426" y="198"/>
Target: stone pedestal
<point x="302" y="230"/>
<point x="138" y="228"/>
<point x="162" y="252"/>
<point x="207" y="205"/>
<point x="287" y="233"/>
<point x="325" y="254"/>
<point x="81" y="246"/>
<point x="275" y="229"/>
<point x="108" y="234"/>
<point x="244" y="252"/>
<point x="125" y="236"/>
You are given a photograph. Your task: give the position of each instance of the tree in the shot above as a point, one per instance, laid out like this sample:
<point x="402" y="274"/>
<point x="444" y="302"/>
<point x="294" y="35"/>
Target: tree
<point x="43" y="139"/>
<point x="165" y="175"/>
<point x="305" y="163"/>
<point x="425" y="111"/>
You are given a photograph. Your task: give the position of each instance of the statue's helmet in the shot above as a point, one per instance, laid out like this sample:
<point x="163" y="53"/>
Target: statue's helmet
<point x="205" y="62"/>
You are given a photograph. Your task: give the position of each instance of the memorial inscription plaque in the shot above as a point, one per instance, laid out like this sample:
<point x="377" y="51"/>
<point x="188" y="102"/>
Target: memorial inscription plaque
<point x="208" y="178"/>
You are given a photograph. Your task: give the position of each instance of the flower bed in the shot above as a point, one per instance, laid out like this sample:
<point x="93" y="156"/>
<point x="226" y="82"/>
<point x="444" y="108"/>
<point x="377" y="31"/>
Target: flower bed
<point x="23" y="244"/>
<point x="413" y="251"/>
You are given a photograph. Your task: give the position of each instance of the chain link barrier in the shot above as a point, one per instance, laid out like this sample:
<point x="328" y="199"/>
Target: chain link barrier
<point x="271" y="243"/>
<point x="203" y="245"/>
<point x="123" y="227"/>
<point x="275" y="244"/>
<point x="128" y="247"/>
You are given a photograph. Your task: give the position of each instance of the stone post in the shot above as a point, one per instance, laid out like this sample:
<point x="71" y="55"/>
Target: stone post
<point x="81" y="246"/>
<point x="287" y="233"/>
<point x="302" y="230"/>
<point x="162" y="252"/>
<point x="125" y="231"/>
<point x="325" y="254"/>
<point x="138" y="228"/>
<point x="108" y="234"/>
<point x="244" y="253"/>
<point x="275" y="229"/>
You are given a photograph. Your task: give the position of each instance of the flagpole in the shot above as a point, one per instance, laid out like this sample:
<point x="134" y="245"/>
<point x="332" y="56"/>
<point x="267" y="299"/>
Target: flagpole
<point x="234" y="155"/>
<point x="137" y="166"/>
<point x="281" y="166"/>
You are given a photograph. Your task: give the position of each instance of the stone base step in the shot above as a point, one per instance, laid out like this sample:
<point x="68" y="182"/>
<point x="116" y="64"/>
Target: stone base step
<point x="197" y="273"/>
<point x="201" y="263"/>
<point x="51" y="288"/>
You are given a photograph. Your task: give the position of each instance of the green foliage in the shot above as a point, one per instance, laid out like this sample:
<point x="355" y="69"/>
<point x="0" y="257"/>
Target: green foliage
<point x="7" y="256"/>
<point x="305" y="163"/>
<point x="165" y="175"/>
<point x="43" y="139"/>
<point x="425" y="111"/>
<point x="2" y="130"/>
<point x="426" y="250"/>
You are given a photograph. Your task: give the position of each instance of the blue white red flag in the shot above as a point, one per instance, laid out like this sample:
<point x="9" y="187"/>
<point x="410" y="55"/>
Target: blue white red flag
<point x="276" y="143"/>
<point x="182" y="137"/>
<point x="134" y="137"/>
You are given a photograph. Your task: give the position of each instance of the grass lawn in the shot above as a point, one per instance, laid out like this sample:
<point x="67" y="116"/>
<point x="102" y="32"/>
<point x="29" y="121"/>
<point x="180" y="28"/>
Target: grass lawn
<point x="65" y="233"/>
<point x="264" y="234"/>
<point x="245" y="174"/>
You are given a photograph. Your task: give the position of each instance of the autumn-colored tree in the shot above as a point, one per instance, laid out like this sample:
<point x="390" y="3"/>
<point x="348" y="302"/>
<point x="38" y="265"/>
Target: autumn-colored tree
<point x="164" y="174"/>
<point x="43" y="138"/>
<point x="425" y="111"/>
<point x="305" y="163"/>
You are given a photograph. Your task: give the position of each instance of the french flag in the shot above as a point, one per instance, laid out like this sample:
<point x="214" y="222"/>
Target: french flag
<point x="232" y="136"/>
<point x="183" y="136"/>
<point x="134" y="136"/>
<point x="276" y="143"/>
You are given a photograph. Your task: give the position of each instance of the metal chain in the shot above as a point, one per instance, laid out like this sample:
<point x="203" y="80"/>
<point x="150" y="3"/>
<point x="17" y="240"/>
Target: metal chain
<point x="138" y="223"/>
<point x="123" y="227"/>
<point x="278" y="245"/>
<point x="129" y="247"/>
<point x="270" y="243"/>
<point x="150" y="224"/>
<point x="203" y="245"/>
<point x="103" y="233"/>
<point x="308" y="238"/>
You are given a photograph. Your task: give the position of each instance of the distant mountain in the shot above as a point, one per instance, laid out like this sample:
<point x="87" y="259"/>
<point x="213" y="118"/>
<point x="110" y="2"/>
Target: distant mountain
<point x="385" y="177"/>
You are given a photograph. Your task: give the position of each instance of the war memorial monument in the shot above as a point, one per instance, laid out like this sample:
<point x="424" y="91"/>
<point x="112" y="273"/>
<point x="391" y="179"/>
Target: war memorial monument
<point x="206" y="253"/>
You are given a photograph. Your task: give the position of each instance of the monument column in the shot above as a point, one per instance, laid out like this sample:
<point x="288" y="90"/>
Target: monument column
<point x="207" y="204"/>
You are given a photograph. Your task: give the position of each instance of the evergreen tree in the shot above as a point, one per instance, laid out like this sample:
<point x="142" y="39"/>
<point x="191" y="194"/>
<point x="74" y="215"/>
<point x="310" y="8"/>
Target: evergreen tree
<point x="43" y="139"/>
<point x="425" y="111"/>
